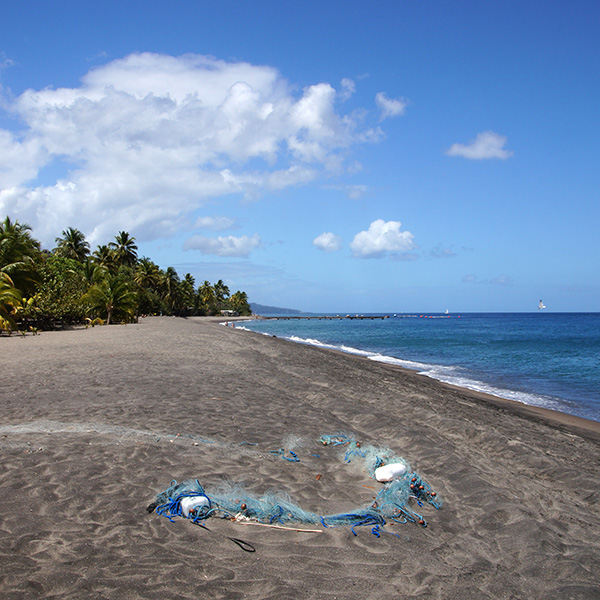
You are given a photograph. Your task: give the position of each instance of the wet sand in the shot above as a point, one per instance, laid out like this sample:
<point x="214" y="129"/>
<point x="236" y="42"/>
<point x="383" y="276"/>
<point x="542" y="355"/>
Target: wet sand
<point x="96" y="422"/>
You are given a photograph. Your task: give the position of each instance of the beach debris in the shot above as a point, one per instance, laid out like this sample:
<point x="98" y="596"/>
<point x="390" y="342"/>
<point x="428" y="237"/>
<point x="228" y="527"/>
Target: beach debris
<point x="293" y="457"/>
<point x="192" y="503"/>
<point x="401" y="488"/>
<point x="390" y="472"/>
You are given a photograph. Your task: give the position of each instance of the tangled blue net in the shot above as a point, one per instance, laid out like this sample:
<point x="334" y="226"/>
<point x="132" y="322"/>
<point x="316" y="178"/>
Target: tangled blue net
<point x="394" y="502"/>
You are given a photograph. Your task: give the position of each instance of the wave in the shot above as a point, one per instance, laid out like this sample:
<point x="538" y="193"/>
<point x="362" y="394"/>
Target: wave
<point x="453" y="375"/>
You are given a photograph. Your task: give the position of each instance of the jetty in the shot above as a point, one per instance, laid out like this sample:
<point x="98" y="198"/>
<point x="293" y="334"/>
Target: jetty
<point x="321" y="317"/>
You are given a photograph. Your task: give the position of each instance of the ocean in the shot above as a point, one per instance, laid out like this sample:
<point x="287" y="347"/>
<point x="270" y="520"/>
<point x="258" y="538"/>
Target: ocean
<point x="543" y="359"/>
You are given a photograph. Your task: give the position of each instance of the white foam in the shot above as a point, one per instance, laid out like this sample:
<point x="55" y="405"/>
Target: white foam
<point x="445" y="373"/>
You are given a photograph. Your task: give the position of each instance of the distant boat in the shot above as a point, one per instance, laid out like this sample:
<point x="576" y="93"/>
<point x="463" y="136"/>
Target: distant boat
<point x="446" y="312"/>
<point x="541" y="305"/>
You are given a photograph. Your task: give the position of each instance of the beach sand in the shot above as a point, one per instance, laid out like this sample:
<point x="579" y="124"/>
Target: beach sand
<point x="96" y="422"/>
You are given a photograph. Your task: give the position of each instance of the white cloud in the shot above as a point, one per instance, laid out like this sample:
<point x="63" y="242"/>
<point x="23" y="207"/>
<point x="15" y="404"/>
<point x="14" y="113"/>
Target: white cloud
<point x="150" y="138"/>
<point x="214" y="223"/>
<point x="486" y="145"/>
<point x="390" y="107"/>
<point x="348" y="88"/>
<point x="328" y="242"/>
<point x="382" y="237"/>
<point x="223" y="245"/>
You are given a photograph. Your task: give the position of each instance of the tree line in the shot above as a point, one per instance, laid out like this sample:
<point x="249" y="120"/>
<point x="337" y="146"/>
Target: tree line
<point x="42" y="289"/>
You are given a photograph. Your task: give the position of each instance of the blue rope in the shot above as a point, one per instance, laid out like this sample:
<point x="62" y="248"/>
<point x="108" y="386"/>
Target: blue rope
<point x="391" y="502"/>
<point x="281" y="452"/>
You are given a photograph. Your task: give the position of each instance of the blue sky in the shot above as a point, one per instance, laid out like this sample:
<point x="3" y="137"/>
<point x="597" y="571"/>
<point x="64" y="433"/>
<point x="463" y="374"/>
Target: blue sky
<point x="327" y="156"/>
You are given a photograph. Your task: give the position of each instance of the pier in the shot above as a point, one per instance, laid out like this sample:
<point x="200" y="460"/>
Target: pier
<point x="327" y="317"/>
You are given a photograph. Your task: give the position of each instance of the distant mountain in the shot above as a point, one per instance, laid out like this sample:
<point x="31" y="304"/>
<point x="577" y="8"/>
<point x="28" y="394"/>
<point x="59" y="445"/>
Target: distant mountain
<point x="262" y="309"/>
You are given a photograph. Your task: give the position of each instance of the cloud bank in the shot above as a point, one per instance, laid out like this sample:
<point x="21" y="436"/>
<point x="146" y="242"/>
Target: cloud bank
<point x="485" y="146"/>
<point x="146" y="140"/>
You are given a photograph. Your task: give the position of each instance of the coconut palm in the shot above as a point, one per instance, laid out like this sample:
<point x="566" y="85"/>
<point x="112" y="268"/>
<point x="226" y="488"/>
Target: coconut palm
<point x="72" y="244"/>
<point x="171" y="286"/>
<point x="111" y="295"/>
<point x="93" y="271"/>
<point x="18" y="254"/>
<point x="10" y="300"/>
<point x="221" y="293"/>
<point x="124" y="249"/>
<point x="239" y="303"/>
<point x="188" y="291"/>
<point x="104" y="257"/>
<point x="206" y="293"/>
<point x="147" y="274"/>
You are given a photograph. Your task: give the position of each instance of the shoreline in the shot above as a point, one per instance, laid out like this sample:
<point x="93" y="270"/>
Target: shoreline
<point x="97" y="422"/>
<point x="551" y="415"/>
<point x="580" y="425"/>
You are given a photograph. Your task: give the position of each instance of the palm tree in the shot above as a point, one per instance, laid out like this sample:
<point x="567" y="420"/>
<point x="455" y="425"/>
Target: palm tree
<point x="221" y="293"/>
<point x="93" y="271"/>
<point x="112" y="294"/>
<point x="206" y="292"/>
<point x="72" y="244"/>
<point x="239" y="303"/>
<point x="18" y="254"/>
<point x="147" y="274"/>
<point x="188" y="291"/>
<point x="171" y="286"/>
<point x="10" y="300"/>
<point x="104" y="257"/>
<point x="124" y="249"/>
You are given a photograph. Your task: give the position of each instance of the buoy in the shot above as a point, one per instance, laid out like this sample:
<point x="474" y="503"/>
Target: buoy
<point x="190" y="503"/>
<point x="389" y="472"/>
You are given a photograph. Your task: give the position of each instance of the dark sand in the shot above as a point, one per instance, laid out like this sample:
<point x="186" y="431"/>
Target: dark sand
<point x="96" y="422"/>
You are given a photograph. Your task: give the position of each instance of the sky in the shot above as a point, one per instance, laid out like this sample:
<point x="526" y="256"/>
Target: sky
<point x="339" y="156"/>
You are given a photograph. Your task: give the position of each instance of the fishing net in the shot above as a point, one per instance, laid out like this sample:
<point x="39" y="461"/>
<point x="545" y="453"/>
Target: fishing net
<point x="395" y="501"/>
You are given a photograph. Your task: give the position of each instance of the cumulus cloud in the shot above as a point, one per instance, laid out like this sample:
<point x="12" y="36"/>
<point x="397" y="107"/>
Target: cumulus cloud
<point x="382" y="237"/>
<point x="223" y="245"/>
<point x="150" y="138"/>
<point x="390" y="107"/>
<point x="328" y="242"/>
<point x="486" y="145"/>
<point x="214" y="223"/>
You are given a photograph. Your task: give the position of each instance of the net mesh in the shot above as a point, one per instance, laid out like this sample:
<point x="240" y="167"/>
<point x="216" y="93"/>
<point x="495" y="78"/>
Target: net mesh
<point x="395" y="501"/>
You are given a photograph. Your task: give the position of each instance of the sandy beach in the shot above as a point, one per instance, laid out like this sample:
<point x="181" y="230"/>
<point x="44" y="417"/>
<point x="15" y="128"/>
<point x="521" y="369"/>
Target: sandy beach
<point x="96" y="422"/>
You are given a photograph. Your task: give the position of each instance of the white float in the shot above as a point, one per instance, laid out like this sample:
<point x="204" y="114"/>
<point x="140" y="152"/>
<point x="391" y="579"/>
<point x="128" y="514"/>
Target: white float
<point x="390" y="472"/>
<point x="191" y="502"/>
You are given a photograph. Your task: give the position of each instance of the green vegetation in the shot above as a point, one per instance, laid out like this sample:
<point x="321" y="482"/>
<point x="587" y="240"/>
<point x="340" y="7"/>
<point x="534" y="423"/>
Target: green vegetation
<point x="42" y="289"/>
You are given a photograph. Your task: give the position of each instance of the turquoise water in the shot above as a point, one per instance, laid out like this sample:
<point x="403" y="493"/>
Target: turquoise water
<point x="543" y="359"/>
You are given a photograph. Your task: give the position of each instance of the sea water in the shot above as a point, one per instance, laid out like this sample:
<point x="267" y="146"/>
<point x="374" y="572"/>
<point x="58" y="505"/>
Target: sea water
<point x="543" y="359"/>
